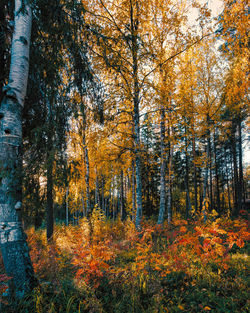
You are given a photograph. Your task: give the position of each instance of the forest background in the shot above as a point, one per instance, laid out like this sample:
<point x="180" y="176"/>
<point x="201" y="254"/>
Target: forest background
<point x="133" y="129"/>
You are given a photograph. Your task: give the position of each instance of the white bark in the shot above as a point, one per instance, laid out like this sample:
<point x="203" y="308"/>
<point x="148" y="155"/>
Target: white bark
<point x="13" y="241"/>
<point x="19" y="67"/>
<point x="163" y="170"/>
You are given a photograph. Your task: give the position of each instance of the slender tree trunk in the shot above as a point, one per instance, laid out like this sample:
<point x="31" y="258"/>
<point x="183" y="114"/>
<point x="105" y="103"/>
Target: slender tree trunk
<point x="136" y="119"/>
<point x="113" y="196"/>
<point x="133" y="188"/>
<point x="110" y="200"/>
<point x="67" y="206"/>
<point x="138" y="186"/>
<point x="122" y="197"/>
<point x="188" y="202"/>
<point x="205" y="181"/>
<point x="148" y="204"/>
<point x="231" y="177"/>
<point x="216" y="173"/>
<point x="97" y="195"/>
<point x="14" y="247"/>
<point x="210" y="176"/>
<point x="240" y="169"/>
<point x="86" y="158"/>
<point x="102" y="205"/>
<point x="49" y="165"/>
<point x="169" y="189"/>
<point x="125" y="189"/>
<point x="2" y="47"/>
<point x="235" y="169"/>
<point x="163" y="170"/>
<point x="228" y="188"/>
<point x="83" y="206"/>
<point x="195" y="175"/>
<point x="200" y="183"/>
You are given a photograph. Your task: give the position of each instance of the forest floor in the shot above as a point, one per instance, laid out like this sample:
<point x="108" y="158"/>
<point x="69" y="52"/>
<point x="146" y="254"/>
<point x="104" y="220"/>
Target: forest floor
<point x="108" y="266"/>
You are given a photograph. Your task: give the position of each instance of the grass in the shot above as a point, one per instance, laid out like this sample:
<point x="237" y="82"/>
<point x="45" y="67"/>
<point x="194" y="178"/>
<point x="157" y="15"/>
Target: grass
<point x="188" y="267"/>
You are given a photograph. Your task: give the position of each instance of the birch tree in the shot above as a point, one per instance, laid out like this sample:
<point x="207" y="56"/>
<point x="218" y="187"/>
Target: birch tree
<point x="12" y="238"/>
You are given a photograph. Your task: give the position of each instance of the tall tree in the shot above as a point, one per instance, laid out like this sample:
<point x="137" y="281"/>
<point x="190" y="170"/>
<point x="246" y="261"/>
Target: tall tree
<point x="13" y="240"/>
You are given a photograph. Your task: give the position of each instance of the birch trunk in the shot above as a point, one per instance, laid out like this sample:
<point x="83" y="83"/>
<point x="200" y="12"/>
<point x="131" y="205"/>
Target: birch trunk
<point x="133" y="188"/>
<point x="86" y="155"/>
<point x="136" y="119"/>
<point x="97" y="197"/>
<point x="205" y="183"/>
<point x="12" y="238"/>
<point x="216" y="173"/>
<point x="240" y="193"/>
<point x="235" y="169"/>
<point x="228" y="186"/>
<point x="195" y="176"/>
<point x="169" y="190"/>
<point x="163" y="170"/>
<point x="122" y="197"/>
<point x="188" y="201"/>
<point x="211" y="205"/>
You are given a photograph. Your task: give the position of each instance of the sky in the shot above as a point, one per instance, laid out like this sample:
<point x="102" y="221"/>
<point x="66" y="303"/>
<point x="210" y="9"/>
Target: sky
<point x="216" y="7"/>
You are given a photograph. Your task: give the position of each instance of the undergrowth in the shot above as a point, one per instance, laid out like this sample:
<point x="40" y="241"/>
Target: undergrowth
<point x="109" y="266"/>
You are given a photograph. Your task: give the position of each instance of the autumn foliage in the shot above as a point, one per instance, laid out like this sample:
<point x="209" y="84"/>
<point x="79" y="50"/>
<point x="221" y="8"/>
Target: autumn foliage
<point x="100" y="255"/>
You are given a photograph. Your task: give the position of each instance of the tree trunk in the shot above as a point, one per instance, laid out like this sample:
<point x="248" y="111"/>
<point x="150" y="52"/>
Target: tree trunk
<point x="103" y="200"/>
<point x="133" y="188"/>
<point x="138" y="172"/>
<point x="163" y="170"/>
<point x="13" y="240"/>
<point x="205" y="181"/>
<point x="169" y="190"/>
<point x="188" y="202"/>
<point x="240" y="193"/>
<point x="210" y="176"/>
<point x="228" y="188"/>
<point x="122" y="197"/>
<point x="235" y="169"/>
<point x="67" y="206"/>
<point x="216" y="174"/>
<point x="83" y="207"/>
<point x="86" y="157"/>
<point x="2" y="47"/>
<point x="97" y="196"/>
<point x="136" y="118"/>
<point x="195" y="176"/>
<point x="50" y="162"/>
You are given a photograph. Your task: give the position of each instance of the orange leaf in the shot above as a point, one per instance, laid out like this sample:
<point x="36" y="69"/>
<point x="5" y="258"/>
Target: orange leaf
<point x="207" y="308"/>
<point x="240" y="243"/>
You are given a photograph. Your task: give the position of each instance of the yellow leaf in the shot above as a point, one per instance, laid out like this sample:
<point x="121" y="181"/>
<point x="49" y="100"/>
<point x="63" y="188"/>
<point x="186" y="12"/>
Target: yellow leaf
<point x="207" y="308"/>
<point x="180" y="307"/>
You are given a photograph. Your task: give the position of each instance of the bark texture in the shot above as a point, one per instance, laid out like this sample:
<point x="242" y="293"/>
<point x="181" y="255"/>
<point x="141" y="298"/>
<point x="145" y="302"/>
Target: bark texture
<point x="136" y="118"/>
<point x="13" y="240"/>
<point x="163" y="170"/>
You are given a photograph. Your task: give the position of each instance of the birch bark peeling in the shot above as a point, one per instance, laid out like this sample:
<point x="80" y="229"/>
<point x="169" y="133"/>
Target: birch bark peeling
<point x="12" y="238"/>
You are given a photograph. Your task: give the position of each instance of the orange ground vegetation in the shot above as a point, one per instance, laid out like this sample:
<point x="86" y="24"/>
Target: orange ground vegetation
<point x="118" y="252"/>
